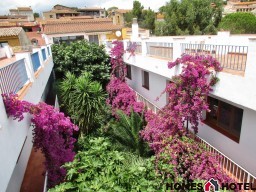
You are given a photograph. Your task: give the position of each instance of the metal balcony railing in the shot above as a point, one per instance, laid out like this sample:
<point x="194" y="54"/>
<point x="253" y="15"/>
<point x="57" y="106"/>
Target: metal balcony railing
<point x="13" y="77"/>
<point x="230" y="56"/>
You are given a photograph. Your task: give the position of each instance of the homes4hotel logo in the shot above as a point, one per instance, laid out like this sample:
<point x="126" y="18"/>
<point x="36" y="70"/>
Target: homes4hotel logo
<point x="211" y="185"/>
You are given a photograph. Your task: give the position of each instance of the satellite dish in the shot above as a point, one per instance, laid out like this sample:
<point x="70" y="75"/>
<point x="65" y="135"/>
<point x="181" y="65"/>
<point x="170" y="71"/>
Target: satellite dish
<point x="118" y="33"/>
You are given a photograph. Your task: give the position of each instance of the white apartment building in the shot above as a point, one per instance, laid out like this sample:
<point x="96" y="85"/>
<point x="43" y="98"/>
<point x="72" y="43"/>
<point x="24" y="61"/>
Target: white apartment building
<point x="23" y="11"/>
<point x="27" y="74"/>
<point x="231" y="127"/>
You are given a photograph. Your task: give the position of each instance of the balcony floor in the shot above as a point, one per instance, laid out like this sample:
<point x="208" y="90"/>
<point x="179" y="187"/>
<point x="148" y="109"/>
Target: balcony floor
<point x="33" y="180"/>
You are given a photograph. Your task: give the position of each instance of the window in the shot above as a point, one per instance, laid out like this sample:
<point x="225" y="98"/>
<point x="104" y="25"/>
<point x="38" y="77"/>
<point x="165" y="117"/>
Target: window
<point x="145" y="79"/>
<point x="129" y="72"/>
<point x="51" y="16"/>
<point x="94" y="39"/>
<point x="225" y="118"/>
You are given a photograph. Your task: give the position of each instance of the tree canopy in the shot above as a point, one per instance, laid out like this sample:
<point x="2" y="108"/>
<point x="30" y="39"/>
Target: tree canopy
<point x="82" y="56"/>
<point x="146" y="18"/>
<point x="238" y="23"/>
<point x="190" y="16"/>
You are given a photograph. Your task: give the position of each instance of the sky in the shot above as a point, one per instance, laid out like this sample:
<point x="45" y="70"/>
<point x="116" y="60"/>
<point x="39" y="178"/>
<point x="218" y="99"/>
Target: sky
<point x="46" y="5"/>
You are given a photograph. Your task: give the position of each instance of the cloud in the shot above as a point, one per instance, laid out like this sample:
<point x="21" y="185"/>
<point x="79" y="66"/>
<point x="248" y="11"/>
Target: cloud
<point x="46" y="5"/>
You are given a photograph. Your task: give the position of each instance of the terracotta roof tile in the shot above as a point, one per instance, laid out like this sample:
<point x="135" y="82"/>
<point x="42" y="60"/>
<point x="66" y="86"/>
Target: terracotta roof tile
<point x="76" y="26"/>
<point x="13" y="31"/>
<point x="7" y="24"/>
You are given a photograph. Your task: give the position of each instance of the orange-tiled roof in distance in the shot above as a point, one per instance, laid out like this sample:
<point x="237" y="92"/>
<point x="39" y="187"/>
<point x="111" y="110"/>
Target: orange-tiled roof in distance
<point x="245" y="3"/>
<point x="76" y="18"/>
<point x="76" y="26"/>
<point x="13" y="31"/>
<point x="37" y="36"/>
<point x="7" y="24"/>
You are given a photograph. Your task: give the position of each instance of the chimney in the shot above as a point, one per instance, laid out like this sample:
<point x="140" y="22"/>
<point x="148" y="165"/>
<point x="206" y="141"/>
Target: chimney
<point x="135" y="29"/>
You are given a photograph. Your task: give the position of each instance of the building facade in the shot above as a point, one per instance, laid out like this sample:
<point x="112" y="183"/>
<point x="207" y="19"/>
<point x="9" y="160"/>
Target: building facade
<point x="229" y="129"/>
<point x="23" y="11"/>
<point x="26" y="74"/>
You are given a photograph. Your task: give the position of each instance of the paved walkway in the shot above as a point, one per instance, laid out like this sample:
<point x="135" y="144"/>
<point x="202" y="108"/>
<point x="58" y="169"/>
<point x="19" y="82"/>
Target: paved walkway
<point x="33" y="180"/>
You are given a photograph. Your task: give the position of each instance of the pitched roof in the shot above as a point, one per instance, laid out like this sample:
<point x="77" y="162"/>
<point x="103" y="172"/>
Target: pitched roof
<point x="7" y="24"/>
<point x="13" y="31"/>
<point x="76" y="26"/>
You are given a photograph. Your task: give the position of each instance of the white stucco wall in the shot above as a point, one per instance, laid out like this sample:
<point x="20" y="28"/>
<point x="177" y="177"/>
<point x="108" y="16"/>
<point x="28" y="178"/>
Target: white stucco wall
<point x="13" y="135"/>
<point x="237" y="90"/>
<point x="243" y="153"/>
<point x="157" y="85"/>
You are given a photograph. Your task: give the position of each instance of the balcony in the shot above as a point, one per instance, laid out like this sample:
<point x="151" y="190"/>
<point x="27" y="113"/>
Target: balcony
<point x="228" y="51"/>
<point x="26" y="74"/>
<point x="18" y="72"/>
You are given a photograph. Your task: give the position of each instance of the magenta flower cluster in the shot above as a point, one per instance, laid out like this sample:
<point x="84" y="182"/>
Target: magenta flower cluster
<point x="189" y="160"/>
<point x="187" y="98"/>
<point x="121" y="96"/>
<point x="117" y="63"/>
<point x="131" y="48"/>
<point x="52" y="134"/>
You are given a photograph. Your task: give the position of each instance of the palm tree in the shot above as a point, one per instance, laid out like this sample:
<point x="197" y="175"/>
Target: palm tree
<point x="83" y="99"/>
<point x="125" y="131"/>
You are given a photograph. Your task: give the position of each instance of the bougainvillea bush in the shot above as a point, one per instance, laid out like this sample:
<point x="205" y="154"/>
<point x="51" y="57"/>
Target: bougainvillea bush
<point x="52" y="134"/>
<point x="187" y="98"/>
<point x="188" y="160"/>
<point x="121" y="96"/>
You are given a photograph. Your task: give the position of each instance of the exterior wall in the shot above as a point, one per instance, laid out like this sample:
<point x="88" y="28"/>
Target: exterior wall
<point x="16" y="137"/>
<point x="118" y="18"/>
<point x="23" y="38"/>
<point x="243" y="153"/>
<point x="27" y="13"/>
<point x="157" y="84"/>
<point x="12" y="40"/>
<point x="113" y="36"/>
<point x="46" y="15"/>
<point x="237" y="90"/>
<point x="102" y="36"/>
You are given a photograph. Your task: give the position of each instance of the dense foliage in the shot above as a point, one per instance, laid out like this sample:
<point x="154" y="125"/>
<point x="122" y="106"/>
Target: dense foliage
<point x="52" y="134"/>
<point x="100" y="168"/>
<point x="81" y="56"/>
<point x="145" y="17"/>
<point x="125" y="132"/>
<point x="187" y="98"/>
<point x="239" y="23"/>
<point x="83" y="99"/>
<point x="190" y="17"/>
